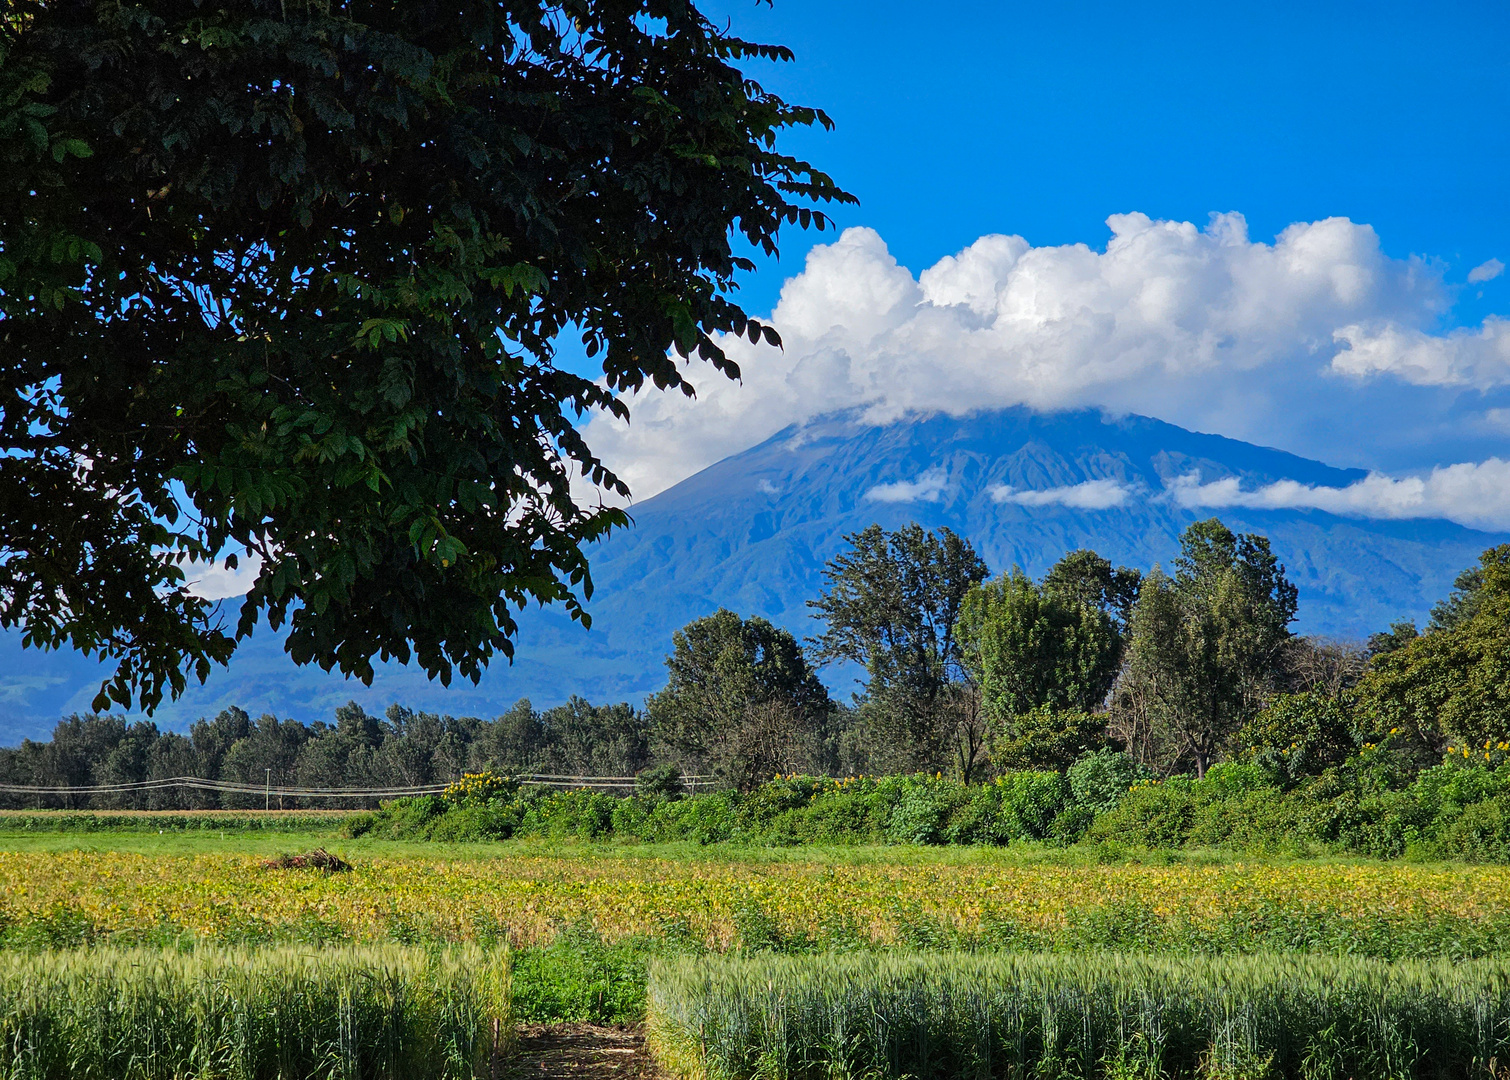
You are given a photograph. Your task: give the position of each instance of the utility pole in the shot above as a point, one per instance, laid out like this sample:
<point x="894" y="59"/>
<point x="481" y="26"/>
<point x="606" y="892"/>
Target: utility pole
<point x="269" y="803"/>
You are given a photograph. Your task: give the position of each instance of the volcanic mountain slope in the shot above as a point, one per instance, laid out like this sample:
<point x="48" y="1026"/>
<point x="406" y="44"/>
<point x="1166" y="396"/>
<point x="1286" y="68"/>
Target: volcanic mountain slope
<point x="753" y="531"/>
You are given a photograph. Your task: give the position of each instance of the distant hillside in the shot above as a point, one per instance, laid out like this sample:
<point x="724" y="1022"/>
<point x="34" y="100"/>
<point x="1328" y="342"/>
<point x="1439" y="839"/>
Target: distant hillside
<point x="752" y="532"/>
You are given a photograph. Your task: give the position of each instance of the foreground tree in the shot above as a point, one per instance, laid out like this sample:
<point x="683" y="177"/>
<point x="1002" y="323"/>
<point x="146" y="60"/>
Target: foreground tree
<point x="741" y="701"/>
<point x="891" y="606"/>
<point x="1206" y="647"/>
<point x="281" y="279"/>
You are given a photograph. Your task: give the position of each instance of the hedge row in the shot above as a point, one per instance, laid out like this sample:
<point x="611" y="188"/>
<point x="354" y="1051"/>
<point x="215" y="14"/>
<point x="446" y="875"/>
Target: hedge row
<point x="1451" y="810"/>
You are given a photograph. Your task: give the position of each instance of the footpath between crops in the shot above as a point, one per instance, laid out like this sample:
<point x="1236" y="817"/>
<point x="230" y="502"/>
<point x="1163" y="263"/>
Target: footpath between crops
<point x="561" y="1051"/>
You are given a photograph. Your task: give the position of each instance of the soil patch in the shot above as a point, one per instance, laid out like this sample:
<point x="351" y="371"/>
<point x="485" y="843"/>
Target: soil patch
<point x="576" y="1051"/>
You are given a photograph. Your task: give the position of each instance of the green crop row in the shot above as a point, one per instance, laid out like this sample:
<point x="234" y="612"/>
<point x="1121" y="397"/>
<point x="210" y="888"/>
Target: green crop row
<point x="1087" y="1016"/>
<point x="156" y="821"/>
<point x="338" y="1014"/>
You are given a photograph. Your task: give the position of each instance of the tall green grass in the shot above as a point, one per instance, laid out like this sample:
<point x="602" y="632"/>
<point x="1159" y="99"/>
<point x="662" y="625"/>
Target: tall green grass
<point x="1114" y="1016"/>
<point x="388" y="1013"/>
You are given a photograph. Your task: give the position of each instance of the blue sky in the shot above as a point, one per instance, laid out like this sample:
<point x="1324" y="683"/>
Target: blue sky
<point x="1043" y="119"/>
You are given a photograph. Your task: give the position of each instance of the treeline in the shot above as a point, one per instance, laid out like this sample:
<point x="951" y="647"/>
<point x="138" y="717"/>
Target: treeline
<point x="964" y="677"/>
<point x="400" y="749"/>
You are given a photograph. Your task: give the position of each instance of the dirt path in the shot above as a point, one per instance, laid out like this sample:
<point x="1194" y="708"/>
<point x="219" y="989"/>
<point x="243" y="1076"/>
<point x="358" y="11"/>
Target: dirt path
<point x="579" y="1052"/>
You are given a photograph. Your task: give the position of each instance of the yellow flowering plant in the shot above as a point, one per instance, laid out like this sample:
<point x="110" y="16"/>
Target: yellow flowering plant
<point x="475" y="789"/>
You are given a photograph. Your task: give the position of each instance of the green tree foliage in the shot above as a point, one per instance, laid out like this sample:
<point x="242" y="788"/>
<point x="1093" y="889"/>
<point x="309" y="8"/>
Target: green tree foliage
<point x="1047" y="738"/>
<point x="1451" y="684"/>
<point x="1032" y="646"/>
<point x="1045" y="655"/>
<point x="1462" y="603"/>
<point x="402" y="748"/>
<point x="1300" y="735"/>
<point x="1398" y="635"/>
<point x="282" y="278"/>
<point x="1206" y="646"/>
<point x="1084" y="577"/>
<point x="583" y="739"/>
<point x="891" y="606"/>
<point x="741" y="701"/>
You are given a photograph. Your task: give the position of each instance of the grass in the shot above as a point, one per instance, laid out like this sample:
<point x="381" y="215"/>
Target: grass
<point x="380" y="1012"/>
<point x="931" y="1017"/>
<point x="225" y="838"/>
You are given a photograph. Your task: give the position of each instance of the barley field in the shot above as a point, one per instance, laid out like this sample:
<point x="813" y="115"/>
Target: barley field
<point x="337" y="1013"/>
<point x="941" y="1017"/>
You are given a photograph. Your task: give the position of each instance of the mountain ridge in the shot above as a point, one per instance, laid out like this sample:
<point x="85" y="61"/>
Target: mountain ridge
<point x="752" y="532"/>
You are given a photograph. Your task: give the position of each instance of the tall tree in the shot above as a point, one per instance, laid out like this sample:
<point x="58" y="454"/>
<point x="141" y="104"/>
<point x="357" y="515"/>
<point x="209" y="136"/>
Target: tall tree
<point x="891" y="606"/>
<point x="1206" y="646"/>
<point x="280" y="281"/>
<point x="1450" y="685"/>
<point x="1041" y="650"/>
<point x="595" y="740"/>
<point x="1086" y="578"/>
<point x="741" y="701"/>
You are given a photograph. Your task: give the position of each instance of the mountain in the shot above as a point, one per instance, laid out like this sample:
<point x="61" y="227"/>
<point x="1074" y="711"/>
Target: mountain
<point x="753" y="531"/>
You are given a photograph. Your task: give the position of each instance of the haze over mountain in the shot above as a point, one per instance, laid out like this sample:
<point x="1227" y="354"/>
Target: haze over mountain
<point x="753" y="531"/>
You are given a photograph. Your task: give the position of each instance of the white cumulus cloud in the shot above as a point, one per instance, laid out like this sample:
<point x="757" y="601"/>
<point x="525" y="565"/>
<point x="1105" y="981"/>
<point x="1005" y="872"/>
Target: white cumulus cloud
<point x="1476" y="494"/>
<point x="1486" y="271"/>
<point x="1478" y="358"/>
<point x="1203" y="327"/>
<point x="928" y="487"/>
<point x="1088" y="495"/>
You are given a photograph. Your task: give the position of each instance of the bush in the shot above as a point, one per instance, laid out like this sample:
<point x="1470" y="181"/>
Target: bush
<point x="1300" y="735"/>
<point x="660" y="782"/>
<point x="1047" y="738"/>
<point x="1152" y="815"/>
<point x="1369" y="806"/>
<point x="1029" y="803"/>
<point x="1101" y="780"/>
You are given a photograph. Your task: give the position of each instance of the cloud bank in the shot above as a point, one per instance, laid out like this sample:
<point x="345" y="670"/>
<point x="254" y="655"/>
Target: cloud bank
<point x="1279" y="343"/>
<point x="1476" y="495"/>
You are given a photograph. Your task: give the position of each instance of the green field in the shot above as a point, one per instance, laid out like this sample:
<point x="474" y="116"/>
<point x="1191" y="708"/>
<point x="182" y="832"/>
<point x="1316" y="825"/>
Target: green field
<point x="586" y="925"/>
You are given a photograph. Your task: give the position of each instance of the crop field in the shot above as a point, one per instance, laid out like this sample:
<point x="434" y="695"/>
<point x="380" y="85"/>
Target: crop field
<point x="105" y="1014"/>
<point x="60" y="896"/>
<point x="933" y="1017"/>
<point x="883" y="961"/>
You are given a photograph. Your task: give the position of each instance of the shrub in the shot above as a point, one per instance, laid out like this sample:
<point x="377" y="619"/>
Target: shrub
<point x="660" y="782"/>
<point x="1152" y="815"/>
<point x="1101" y="780"/>
<point x="1029" y="803"/>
